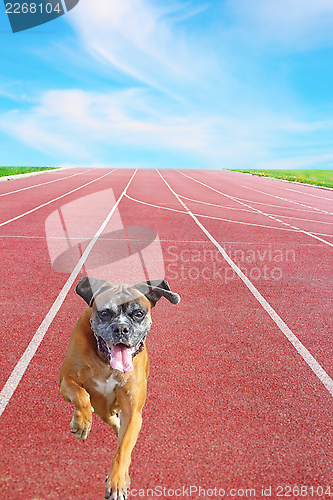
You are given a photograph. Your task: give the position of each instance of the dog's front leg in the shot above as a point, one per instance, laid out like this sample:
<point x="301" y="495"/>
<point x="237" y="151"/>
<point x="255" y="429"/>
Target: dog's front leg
<point x="118" y="479"/>
<point x="82" y="418"/>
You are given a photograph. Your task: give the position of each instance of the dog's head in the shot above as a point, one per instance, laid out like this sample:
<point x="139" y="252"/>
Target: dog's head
<point x="120" y="317"/>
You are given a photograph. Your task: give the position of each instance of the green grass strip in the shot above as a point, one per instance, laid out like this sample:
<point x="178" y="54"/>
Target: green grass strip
<point x="5" y="171"/>
<point x="315" y="177"/>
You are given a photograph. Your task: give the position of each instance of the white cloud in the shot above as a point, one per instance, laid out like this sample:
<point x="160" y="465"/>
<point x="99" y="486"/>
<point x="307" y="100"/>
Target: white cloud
<point x="31" y="128"/>
<point x="140" y="39"/>
<point x="179" y="103"/>
<point x="75" y="122"/>
<point x="296" y="24"/>
<point x="80" y="125"/>
<point x="87" y="127"/>
<point x="296" y="127"/>
<point x="299" y="162"/>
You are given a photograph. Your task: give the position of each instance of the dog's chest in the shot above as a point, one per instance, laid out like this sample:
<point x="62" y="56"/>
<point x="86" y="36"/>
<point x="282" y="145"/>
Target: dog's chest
<point x="106" y="387"/>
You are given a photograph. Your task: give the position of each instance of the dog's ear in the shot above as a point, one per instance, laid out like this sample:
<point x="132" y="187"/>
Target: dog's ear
<point x="156" y="289"/>
<point x="88" y="288"/>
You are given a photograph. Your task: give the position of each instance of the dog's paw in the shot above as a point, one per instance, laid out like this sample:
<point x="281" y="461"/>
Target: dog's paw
<point x="80" y="426"/>
<point x="116" y="491"/>
<point x="115" y="495"/>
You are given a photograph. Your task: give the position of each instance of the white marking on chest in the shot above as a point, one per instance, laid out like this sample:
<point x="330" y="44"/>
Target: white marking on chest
<point x="107" y="386"/>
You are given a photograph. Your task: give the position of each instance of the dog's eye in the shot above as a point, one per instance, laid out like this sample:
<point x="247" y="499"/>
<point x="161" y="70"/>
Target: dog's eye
<point x="138" y="314"/>
<point x="105" y="313"/>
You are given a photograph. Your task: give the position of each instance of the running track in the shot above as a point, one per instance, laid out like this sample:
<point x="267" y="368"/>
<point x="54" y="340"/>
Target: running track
<point x="240" y="390"/>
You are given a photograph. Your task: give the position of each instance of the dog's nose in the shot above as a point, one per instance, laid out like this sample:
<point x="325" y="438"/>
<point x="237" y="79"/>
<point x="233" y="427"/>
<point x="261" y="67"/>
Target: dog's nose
<point x="120" y="329"/>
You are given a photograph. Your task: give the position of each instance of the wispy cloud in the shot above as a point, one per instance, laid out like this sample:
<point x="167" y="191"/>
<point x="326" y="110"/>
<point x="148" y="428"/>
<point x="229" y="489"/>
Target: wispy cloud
<point x="77" y="123"/>
<point x="145" y="41"/>
<point x="177" y="79"/>
<point x="320" y="161"/>
<point x="290" y="24"/>
<point x="80" y="124"/>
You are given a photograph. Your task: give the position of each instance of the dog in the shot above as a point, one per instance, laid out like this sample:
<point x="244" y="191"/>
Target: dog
<point x="106" y="366"/>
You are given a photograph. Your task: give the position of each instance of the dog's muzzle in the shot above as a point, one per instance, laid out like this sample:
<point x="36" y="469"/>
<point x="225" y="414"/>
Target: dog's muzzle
<point x="120" y="356"/>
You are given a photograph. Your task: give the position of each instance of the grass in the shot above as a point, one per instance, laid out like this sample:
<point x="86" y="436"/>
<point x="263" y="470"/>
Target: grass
<point x="4" y="171"/>
<point x="314" y="177"/>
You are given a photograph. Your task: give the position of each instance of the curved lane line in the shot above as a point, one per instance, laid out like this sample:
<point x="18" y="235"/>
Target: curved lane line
<point x="274" y="206"/>
<point x="43" y="183"/>
<point x="251" y="211"/>
<point x="308" y="194"/>
<point x="289" y="201"/>
<point x="155" y="206"/>
<point x="312" y="235"/>
<point x="54" y="199"/>
<point x="19" y="370"/>
<point x="220" y="218"/>
<point x="308" y="358"/>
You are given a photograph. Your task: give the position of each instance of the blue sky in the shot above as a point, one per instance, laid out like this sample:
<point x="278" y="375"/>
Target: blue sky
<point x="163" y="83"/>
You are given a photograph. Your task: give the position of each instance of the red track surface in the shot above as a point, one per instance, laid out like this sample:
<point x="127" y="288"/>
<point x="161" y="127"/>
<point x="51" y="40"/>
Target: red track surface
<point x="231" y="403"/>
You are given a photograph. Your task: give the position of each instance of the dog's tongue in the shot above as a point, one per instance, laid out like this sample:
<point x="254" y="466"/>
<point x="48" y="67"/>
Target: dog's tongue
<point x="121" y="358"/>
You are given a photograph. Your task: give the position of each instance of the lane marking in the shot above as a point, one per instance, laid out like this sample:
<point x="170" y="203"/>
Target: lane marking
<point x="155" y="206"/>
<point x="289" y="201"/>
<point x="275" y="206"/>
<point x="162" y="239"/>
<point x="312" y="235"/>
<point x="224" y="220"/>
<point x="19" y="370"/>
<point x="54" y="199"/>
<point x="308" y="194"/>
<point x="300" y="348"/>
<point x="262" y="225"/>
<point x="278" y="207"/>
<point x="250" y="211"/>
<point x="43" y="183"/>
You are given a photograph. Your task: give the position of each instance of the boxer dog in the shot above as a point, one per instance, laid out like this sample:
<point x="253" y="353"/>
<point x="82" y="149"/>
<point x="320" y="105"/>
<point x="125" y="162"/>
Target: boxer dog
<point x="106" y="366"/>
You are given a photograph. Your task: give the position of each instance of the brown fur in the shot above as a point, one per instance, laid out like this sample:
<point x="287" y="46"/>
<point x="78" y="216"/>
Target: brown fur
<point x="82" y="372"/>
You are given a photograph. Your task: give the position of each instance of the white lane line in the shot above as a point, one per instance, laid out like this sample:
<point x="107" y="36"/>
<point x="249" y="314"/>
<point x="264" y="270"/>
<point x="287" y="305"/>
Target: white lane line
<point x="308" y="194"/>
<point x="251" y="211"/>
<point x="155" y="206"/>
<point x="220" y="218"/>
<point x="308" y="358"/>
<point x="312" y="235"/>
<point x="13" y="236"/>
<point x="274" y="206"/>
<point x="19" y="370"/>
<point x="43" y="183"/>
<point x="289" y="201"/>
<point x="54" y="199"/>
<point x="262" y="225"/>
